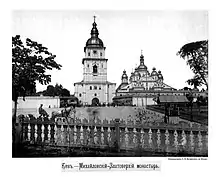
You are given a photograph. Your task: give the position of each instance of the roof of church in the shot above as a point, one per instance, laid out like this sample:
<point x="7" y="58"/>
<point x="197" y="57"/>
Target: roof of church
<point x="121" y="86"/>
<point x="142" y="67"/>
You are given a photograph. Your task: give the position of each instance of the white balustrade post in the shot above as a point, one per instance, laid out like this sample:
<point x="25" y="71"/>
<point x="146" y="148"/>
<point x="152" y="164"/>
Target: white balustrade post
<point x="200" y="141"/>
<point x="35" y="133"/>
<point x="158" y="139"/>
<point x="75" y="134"/>
<point x="142" y="138"/>
<point x="126" y="137"/>
<point x="183" y="140"/>
<point x="62" y="134"/>
<point x="42" y="132"/>
<point x="102" y="135"/>
<point x="167" y="141"/>
<point x="95" y="135"/>
<point x="135" y="137"/>
<point x="176" y="144"/>
<point x="150" y="138"/>
<point x="49" y="136"/>
<point x="109" y="136"/>
<point x="29" y="132"/>
<point x="55" y="134"/>
<point x="81" y="135"/>
<point x="191" y="141"/>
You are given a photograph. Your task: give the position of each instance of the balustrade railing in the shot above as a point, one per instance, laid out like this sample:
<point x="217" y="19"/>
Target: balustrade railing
<point x="123" y="135"/>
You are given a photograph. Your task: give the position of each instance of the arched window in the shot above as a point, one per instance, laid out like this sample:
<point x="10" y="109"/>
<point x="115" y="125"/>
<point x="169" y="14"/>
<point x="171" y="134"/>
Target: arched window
<point x="90" y="87"/>
<point x="80" y="95"/>
<point x="95" y="94"/>
<point x="100" y="53"/>
<point x="88" y="65"/>
<point x="89" y="54"/>
<point x="95" y="70"/>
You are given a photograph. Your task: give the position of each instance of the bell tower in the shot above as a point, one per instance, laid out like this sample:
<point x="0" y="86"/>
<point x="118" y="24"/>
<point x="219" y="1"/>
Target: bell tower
<point x="94" y="63"/>
<point x="94" y="89"/>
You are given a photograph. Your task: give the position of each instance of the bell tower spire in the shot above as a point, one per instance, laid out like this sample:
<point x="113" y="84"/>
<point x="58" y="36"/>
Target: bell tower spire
<point x="94" y="32"/>
<point x="94" y="17"/>
<point x="142" y="58"/>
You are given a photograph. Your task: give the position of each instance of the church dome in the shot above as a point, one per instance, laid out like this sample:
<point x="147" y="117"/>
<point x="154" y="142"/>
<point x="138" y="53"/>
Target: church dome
<point x="154" y="72"/>
<point x="94" y="41"/>
<point x="136" y="73"/>
<point x="124" y="75"/>
<point x="160" y="76"/>
<point x="142" y="66"/>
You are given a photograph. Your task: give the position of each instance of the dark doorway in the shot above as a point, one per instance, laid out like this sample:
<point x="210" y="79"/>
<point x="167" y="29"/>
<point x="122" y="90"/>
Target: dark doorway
<point x="95" y="102"/>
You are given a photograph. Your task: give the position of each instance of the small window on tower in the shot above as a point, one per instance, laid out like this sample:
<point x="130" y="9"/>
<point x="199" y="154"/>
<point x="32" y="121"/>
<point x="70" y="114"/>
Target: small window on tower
<point x="88" y="65"/>
<point x="95" y="94"/>
<point x="100" y="53"/>
<point x="100" y="88"/>
<point x="94" y="52"/>
<point x="80" y="95"/>
<point x="90" y="87"/>
<point x="89" y="54"/>
<point x="95" y="69"/>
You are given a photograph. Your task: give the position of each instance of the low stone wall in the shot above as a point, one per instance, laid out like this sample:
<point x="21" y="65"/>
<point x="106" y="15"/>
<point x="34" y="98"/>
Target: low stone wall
<point x="33" y="102"/>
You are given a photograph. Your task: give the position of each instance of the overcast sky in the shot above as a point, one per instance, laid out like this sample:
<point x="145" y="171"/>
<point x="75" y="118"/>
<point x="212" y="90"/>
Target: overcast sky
<point x="160" y="34"/>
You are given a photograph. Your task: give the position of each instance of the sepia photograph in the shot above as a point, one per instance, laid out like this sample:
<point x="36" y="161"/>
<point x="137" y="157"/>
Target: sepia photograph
<point x="109" y="83"/>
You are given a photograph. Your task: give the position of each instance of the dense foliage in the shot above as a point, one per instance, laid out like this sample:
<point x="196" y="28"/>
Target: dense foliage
<point x="56" y="90"/>
<point x="29" y="64"/>
<point x="196" y="55"/>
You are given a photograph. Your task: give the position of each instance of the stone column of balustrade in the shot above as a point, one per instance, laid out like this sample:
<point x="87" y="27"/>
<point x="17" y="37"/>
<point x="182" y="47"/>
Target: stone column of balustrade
<point x="85" y="135"/>
<point x="102" y="136"/>
<point x="122" y="138"/>
<point x="126" y="138"/>
<point x="78" y="133"/>
<point x="95" y="136"/>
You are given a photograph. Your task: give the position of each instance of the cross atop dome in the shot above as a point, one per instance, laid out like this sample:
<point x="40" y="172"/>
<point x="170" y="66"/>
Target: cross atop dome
<point x="94" y="17"/>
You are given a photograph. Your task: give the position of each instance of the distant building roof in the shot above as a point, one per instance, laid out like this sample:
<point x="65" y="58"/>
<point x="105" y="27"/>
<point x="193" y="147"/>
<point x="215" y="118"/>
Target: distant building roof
<point x="173" y="99"/>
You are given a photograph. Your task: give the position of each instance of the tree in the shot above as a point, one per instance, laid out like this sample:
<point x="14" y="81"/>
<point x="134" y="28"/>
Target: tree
<point x="65" y="92"/>
<point x="186" y="88"/>
<point x="50" y="91"/>
<point x="56" y="90"/>
<point x="29" y="64"/>
<point x="196" y="54"/>
<point x="196" y="81"/>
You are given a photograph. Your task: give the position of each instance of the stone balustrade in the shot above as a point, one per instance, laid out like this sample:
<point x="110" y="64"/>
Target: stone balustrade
<point x="188" y="138"/>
